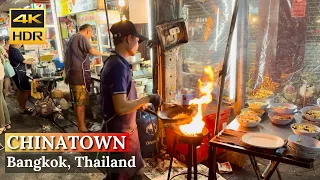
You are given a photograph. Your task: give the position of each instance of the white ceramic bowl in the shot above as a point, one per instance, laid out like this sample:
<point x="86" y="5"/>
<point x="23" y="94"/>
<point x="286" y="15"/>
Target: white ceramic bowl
<point x="310" y="134"/>
<point x="305" y="120"/>
<point x="289" y="108"/>
<point x="258" y="104"/>
<point x="274" y="120"/>
<point x="248" y="124"/>
<point x="306" y="109"/>
<point x="259" y="112"/>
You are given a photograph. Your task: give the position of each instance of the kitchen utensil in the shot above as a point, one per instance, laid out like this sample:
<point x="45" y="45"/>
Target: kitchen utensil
<point x="284" y="108"/>
<point x="167" y="114"/>
<point x="287" y="118"/>
<point x="261" y="140"/>
<point x="310" y="134"/>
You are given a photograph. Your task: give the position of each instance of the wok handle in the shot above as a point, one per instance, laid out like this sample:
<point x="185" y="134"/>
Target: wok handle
<point x="151" y="112"/>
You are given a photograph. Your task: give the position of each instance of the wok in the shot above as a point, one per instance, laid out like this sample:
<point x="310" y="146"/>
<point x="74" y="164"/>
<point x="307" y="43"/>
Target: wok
<point x="168" y="114"/>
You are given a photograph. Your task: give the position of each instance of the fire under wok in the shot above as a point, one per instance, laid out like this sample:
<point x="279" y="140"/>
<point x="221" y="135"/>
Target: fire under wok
<point x="171" y="114"/>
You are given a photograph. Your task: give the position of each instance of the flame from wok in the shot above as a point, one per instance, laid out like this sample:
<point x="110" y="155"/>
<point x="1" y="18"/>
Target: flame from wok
<point x="197" y="124"/>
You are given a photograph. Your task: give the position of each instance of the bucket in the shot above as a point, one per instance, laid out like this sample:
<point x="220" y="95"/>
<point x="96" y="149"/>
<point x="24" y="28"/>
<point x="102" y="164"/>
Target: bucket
<point x="59" y="65"/>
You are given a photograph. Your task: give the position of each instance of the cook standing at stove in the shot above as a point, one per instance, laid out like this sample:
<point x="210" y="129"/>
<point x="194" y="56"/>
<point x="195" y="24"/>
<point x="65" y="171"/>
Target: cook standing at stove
<point x="77" y="69"/>
<point x="119" y="96"/>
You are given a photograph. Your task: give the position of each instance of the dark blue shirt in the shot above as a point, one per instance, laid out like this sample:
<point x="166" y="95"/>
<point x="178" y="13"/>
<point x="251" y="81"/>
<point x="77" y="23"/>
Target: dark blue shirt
<point x="16" y="58"/>
<point x="116" y="78"/>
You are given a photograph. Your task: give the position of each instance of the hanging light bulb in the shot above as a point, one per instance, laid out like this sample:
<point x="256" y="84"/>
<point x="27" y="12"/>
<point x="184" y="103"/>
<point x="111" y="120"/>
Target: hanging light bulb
<point x="124" y="18"/>
<point x="121" y="3"/>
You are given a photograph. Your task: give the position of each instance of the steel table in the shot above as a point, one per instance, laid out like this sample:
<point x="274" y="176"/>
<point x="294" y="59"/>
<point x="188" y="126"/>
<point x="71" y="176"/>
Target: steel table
<point x="264" y="127"/>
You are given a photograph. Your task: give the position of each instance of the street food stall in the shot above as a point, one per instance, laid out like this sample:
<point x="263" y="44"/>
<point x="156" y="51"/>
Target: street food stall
<point x="233" y="81"/>
<point x="267" y="77"/>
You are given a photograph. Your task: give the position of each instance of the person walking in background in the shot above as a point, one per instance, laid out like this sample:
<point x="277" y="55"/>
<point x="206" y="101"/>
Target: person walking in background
<point x="20" y="78"/>
<point x="77" y="70"/>
<point x="5" y="123"/>
<point x="9" y="72"/>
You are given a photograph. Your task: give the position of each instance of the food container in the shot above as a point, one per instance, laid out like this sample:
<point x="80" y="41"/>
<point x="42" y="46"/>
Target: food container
<point x="284" y="108"/>
<point x="187" y="95"/>
<point x="149" y="88"/>
<point x="280" y="119"/>
<point x="98" y="68"/>
<point x="256" y="104"/>
<point x="295" y="129"/>
<point x="249" y="124"/>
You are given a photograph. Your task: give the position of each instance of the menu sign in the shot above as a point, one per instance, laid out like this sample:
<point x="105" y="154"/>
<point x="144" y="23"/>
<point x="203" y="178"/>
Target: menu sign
<point x="86" y="18"/>
<point x="298" y="8"/>
<point x="68" y="7"/>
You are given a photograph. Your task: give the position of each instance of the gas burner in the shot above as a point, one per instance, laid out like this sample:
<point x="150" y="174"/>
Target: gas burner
<point x="190" y="139"/>
<point x="192" y="142"/>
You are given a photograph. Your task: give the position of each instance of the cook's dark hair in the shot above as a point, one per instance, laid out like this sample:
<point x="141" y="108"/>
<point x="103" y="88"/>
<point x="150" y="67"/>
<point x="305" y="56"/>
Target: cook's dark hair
<point x="2" y="38"/>
<point x="84" y="27"/>
<point x="6" y="38"/>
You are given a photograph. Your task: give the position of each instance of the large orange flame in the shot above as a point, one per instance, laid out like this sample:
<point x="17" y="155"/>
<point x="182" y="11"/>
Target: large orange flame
<point x="196" y="125"/>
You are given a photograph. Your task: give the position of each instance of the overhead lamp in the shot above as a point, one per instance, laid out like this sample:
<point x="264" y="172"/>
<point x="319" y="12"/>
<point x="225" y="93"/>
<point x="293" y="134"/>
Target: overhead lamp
<point x="121" y="3"/>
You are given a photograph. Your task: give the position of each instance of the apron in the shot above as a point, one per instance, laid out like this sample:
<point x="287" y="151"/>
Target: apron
<point x="125" y="124"/>
<point x="20" y="75"/>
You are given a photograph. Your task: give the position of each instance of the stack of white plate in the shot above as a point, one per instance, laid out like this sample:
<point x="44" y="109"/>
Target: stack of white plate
<point x="304" y="147"/>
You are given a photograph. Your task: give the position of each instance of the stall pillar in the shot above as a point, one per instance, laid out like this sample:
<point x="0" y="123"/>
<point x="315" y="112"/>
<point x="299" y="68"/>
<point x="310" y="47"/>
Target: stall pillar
<point x="170" y="64"/>
<point x="280" y="41"/>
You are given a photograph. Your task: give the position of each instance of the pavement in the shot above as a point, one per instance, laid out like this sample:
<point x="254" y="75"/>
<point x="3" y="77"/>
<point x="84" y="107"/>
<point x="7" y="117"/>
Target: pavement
<point x="31" y="124"/>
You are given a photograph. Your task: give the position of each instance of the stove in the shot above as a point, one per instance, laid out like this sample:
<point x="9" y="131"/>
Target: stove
<point x="193" y="141"/>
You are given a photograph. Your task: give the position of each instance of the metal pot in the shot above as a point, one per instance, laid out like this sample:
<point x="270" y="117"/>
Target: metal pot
<point x="187" y="95"/>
